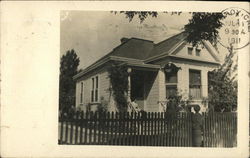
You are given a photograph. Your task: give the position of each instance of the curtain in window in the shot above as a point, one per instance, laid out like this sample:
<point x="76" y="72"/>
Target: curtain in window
<point x="195" y="84"/>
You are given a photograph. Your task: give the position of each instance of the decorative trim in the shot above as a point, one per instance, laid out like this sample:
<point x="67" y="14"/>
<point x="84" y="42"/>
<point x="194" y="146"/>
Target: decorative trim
<point x="165" y="54"/>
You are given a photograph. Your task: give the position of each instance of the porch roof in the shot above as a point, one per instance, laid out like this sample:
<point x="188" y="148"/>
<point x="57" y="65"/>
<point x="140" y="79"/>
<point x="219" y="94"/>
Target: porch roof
<point x="142" y="66"/>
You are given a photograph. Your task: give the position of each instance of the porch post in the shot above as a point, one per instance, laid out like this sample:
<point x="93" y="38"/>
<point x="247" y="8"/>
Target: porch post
<point x="129" y="83"/>
<point x="162" y="90"/>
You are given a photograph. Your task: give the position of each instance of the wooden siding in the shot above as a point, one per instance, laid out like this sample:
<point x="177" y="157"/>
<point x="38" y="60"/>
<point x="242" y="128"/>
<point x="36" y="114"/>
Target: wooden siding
<point x="204" y="54"/>
<point x="152" y="92"/>
<point x="103" y="89"/>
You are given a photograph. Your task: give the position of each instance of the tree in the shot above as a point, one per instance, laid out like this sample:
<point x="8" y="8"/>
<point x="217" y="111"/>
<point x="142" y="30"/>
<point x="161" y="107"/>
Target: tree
<point x="202" y="25"/>
<point x="222" y="85"/>
<point x="68" y="68"/>
<point x="119" y="81"/>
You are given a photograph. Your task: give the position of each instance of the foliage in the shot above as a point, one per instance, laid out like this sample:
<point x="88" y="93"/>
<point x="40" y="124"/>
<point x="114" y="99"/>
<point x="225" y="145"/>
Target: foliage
<point x="119" y="81"/>
<point x="68" y="68"/>
<point x="103" y="106"/>
<point x="177" y="103"/>
<point x="142" y="15"/>
<point x="222" y="86"/>
<point x="202" y="25"/>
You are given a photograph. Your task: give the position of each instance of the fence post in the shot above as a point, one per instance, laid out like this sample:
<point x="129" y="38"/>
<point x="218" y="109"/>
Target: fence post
<point x="116" y="127"/>
<point x="66" y="130"/>
<point x="81" y="125"/>
<point x="86" y="128"/>
<point x="128" y="129"/>
<point x="112" y="128"/>
<point x="98" y="117"/>
<point x="71" y="129"/>
<point x="103" y="125"/>
<point x="108" y="126"/>
<point x="61" y="121"/>
<point x="94" y="127"/>
<point x="161" y="130"/>
<point x="76" y="127"/>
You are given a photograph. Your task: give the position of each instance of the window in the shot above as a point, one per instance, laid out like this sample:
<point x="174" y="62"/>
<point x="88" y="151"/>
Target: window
<point x="171" y="84"/>
<point x="81" y="93"/>
<point x="198" y="52"/>
<point x="94" y="89"/>
<point x="190" y="50"/>
<point x="195" y="84"/>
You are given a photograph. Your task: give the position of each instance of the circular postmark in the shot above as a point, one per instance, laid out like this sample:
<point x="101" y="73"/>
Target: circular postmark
<point x="235" y="29"/>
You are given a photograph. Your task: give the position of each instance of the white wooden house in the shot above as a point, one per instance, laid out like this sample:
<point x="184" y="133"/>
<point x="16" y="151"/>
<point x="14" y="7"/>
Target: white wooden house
<point x="151" y="78"/>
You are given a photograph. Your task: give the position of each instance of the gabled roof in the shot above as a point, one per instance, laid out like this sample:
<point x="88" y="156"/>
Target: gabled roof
<point x="165" y="47"/>
<point x="134" y="48"/>
<point x="141" y="51"/>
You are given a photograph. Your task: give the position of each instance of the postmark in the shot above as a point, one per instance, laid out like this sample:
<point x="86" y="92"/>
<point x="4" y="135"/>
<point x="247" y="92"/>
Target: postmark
<point x="235" y="29"/>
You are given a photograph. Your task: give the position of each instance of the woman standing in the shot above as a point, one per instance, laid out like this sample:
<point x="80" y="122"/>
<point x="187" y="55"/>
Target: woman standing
<point x="197" y="126"/>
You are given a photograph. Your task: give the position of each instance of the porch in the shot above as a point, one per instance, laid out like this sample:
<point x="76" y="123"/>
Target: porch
<point x="150" y="86"/>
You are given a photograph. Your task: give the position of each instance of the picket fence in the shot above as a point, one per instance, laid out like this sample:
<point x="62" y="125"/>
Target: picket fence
<point x="146" y="129"/>
<point x="220" y="129"/>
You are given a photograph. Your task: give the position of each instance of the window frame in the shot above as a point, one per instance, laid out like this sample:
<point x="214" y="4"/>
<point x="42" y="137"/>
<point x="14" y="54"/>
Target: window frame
<point x="198" y="53"/>
<point x="94" y="93"/>
<point x="96" y="89"/>
<point x="81" y="92"/>
<point x="171" y="84"/>
<point x="190" y="48"/>
<point x="196" y="84"/>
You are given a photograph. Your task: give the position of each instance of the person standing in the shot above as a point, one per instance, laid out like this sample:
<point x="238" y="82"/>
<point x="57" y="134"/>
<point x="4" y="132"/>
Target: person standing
<point x="197" y="126"/>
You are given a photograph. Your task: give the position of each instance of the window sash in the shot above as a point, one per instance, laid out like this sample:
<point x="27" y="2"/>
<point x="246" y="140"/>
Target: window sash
<point x="92" y="95"/>
<point x="81" y="93"/>
<point x="195" y="91"/>
<point x="94" y="90"/>
<point x="171" y="80"/>
<point x="190" y="50"/>
<point x="96" y="83"/>
<point x="194" y="77"/>
<point x="171" y="90"/>
<point x="195" y="84"/>
<point x="171" y="77"/>
<point x="197" y="52"/>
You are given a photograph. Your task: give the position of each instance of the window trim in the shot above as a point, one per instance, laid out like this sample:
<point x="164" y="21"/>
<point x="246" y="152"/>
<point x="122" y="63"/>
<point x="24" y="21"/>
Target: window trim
<point x="94" y="92"/>
<point x="190" y="48"/>
<point x="96" y="88"/>
<point x="81" y="92"/>
<point x="198" y="53"/>
<point x="171" y="84"/>
<point x="200" y="84"/>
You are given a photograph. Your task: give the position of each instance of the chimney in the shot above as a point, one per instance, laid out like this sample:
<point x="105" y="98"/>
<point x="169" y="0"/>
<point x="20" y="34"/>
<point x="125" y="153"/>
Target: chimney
<point x="124" y="39"/>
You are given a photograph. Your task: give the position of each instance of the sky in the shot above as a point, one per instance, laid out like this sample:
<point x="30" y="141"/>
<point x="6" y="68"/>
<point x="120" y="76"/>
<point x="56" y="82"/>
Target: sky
<point x="93" y="34"/>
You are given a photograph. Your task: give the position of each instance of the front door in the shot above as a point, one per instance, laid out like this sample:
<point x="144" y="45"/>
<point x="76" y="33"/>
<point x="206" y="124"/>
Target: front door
<point x="137" y="88"/>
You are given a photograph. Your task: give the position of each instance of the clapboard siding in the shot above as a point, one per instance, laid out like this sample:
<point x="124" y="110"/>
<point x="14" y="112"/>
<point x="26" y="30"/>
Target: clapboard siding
<point x="103" y="89"/>
<point x="152" y="92"/>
